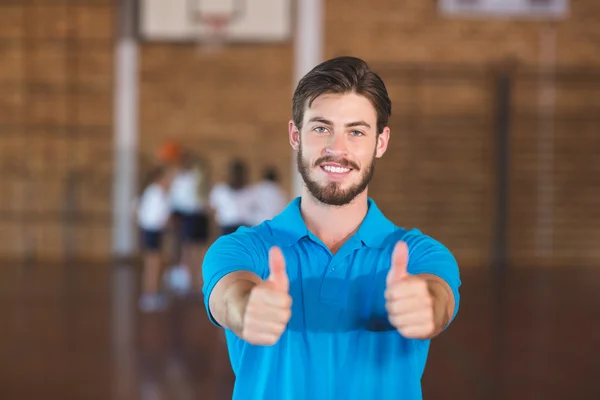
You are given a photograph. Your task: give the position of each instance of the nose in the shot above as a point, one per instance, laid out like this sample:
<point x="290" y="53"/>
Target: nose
<point x="336" y="144"/>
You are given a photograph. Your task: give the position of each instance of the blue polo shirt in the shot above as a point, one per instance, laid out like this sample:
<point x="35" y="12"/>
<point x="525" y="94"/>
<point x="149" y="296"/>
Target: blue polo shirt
<point x="338" y="343"/>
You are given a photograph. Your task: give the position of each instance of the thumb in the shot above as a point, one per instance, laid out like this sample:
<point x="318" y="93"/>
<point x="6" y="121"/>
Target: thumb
<point x="399" y="266"/>
<point x="277" y="272"/>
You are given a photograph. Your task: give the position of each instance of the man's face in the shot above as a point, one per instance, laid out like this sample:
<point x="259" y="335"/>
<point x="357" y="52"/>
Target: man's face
<point x="337" y="147"/>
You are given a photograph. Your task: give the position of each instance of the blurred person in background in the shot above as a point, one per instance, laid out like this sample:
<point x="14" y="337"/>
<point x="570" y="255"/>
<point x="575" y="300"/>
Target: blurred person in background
<point x="153" y="215"/>
<point x="267" y="198"/>
<point x="189" y="202"/>
<point x="171" y="153"/>
<point x="231" y="200"/>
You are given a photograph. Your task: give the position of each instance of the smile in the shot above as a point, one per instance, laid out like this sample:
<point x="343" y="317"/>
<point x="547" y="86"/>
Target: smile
<point x="335" y="169"/>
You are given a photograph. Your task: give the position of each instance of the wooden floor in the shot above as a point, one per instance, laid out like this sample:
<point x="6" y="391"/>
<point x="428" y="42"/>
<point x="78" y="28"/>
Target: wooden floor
<point x="75" y="333"/>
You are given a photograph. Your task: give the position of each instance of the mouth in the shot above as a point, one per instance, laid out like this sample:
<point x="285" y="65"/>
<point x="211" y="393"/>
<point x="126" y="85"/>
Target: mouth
<point x="335" y="170"/>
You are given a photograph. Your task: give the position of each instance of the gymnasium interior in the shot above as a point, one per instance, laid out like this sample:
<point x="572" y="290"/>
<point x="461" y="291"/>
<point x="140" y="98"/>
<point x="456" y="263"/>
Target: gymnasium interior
<point x="494" y="151"/>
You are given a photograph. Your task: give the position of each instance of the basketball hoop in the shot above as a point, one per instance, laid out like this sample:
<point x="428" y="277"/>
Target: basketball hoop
<point x="211" y="30"/>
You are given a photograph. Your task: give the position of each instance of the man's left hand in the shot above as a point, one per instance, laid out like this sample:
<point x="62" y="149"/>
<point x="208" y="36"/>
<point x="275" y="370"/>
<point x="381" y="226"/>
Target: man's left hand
<point x="409" y="302"/>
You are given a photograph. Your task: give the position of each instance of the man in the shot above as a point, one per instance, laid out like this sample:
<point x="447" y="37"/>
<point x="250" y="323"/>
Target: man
<point x="330" y="300"/>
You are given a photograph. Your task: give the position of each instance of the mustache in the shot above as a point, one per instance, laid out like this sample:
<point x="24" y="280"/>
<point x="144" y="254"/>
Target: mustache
<point x="342" y="161"/>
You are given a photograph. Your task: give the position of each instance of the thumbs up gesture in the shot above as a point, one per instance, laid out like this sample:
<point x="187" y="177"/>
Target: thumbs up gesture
<point x="269" y="306"/>
<point x="409" y="302"/>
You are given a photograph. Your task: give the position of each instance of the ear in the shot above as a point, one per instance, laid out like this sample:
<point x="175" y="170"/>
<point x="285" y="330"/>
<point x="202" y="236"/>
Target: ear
<point x="294" y="134"/>
<point x="382" y="142"/>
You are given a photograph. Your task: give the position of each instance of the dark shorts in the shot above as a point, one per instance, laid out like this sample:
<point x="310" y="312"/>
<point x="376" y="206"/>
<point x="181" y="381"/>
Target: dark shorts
<point x="177" y="215"/>
<point x="194" y="227"/>
<point x="151" y="240"/>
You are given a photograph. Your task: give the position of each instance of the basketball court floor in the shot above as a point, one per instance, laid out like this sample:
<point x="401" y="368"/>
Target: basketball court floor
<point x="74" y="332"/>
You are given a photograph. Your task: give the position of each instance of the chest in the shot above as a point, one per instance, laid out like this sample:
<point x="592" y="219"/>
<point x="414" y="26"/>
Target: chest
<point x="340" y="292"/>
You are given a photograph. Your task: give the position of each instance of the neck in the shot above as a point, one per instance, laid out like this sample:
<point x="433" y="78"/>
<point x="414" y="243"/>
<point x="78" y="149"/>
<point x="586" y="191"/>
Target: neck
<point x="333" y="224"/>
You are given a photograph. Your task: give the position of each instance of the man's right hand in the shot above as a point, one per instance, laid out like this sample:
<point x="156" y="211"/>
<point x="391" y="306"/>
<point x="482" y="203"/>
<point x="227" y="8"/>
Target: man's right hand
<point x="269" y="306"/>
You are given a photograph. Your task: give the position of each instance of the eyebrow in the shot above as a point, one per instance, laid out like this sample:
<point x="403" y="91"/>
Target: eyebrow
<point x="348" y="125"/>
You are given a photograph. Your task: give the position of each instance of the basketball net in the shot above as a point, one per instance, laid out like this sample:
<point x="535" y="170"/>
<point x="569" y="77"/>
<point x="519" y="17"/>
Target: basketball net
<point x="211" y="31"/>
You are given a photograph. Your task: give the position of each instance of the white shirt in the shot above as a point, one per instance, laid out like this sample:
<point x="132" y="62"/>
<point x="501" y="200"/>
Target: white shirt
<point x="231" y="206"/>
<point x="267" y="199"/>
<point x="153" y="208"/>
<point x="184" y="193"/>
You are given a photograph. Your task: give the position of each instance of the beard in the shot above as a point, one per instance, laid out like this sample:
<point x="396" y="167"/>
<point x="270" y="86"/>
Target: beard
<point x="332" y="193"/>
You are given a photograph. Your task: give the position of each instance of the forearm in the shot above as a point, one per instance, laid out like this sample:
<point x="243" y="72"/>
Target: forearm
<point x="443" y="303"/>
<point x="229" y="298"/>
<point x="236" y="298"/>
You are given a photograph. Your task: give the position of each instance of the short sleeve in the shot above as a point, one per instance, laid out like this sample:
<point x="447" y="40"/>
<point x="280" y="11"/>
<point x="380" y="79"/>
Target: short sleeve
<point x="228" y="254"/>
<point x="428" y="256"/>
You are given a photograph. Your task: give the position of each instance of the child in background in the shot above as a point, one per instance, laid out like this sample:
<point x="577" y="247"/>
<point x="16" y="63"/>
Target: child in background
<point x="267" y="198"/>
<point x="153" y="216"/>
<point x="189" y="202"/>
<point x="230" y="200"/>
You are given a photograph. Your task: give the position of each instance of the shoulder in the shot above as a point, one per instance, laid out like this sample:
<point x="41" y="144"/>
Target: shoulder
<point x="153" y="191"/>
<point x="186" y="177"/>
<point x="218" y="189"/>
<point x="246" y="191"/>
<point x="254" y="241"/>
<point x="419" y="244"/>
<point x="179" y="177"/>
<point x="245" y="249"/>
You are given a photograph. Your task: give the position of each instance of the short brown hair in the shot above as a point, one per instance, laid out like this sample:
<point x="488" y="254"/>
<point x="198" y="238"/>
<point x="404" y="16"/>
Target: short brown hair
<point x="342" y="75"/>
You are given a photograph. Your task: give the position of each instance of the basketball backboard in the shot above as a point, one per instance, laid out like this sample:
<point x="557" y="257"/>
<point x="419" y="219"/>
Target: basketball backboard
<point x="195" y="20"/>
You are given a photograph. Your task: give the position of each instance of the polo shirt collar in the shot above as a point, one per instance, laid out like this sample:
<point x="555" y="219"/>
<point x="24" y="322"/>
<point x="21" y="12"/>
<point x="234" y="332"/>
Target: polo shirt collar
<point x="290" y="227"/>
<point x="375" y="228"/>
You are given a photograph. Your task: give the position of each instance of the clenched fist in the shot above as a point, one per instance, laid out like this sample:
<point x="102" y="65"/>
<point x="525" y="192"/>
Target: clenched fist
<point x="269" y="306"/>
<point x="409" y="302"/>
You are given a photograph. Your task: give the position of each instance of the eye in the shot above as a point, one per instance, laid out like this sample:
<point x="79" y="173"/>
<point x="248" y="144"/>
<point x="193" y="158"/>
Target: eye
<point x="320" y="129"/>
<point x="357" y="133"/>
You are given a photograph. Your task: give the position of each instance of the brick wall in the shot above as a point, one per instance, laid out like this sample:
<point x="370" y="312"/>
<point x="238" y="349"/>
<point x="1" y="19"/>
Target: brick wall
<point x="56" y="73"/>
<point x="439" y="172"/>
<point x="230" y="104"/>
<point x="441" y="175"/>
